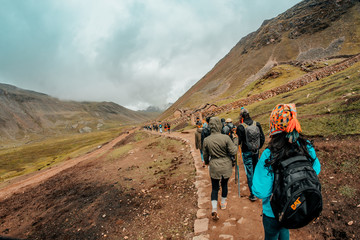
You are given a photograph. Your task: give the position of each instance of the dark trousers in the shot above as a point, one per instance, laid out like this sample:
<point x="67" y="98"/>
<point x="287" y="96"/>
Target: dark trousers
<point x="250" y="160"/>
<point x="273" y="230"/>
<point x="216" y="187"/>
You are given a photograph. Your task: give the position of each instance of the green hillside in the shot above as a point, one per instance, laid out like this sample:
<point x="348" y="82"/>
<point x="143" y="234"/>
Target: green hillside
<point x="330" y="106"/>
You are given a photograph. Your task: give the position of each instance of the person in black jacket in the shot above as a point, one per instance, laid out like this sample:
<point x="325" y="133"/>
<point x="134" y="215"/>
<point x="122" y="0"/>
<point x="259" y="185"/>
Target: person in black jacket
<point x="205" y="132"/>
<point x="250" y="156"/>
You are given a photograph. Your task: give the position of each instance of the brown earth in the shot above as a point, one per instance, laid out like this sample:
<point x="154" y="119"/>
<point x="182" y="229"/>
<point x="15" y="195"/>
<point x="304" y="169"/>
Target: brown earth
<point x="340" y="179"/>
<point x="131" y="196"/>
<point x="148" y="192"/>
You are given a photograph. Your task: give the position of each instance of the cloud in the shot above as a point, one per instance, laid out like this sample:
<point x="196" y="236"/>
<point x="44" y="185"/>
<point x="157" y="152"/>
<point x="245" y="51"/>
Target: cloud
<point x="132" y="52"/>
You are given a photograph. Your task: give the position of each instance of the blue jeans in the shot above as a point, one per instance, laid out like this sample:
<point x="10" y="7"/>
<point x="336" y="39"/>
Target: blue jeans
<point x="273" y="230"/>
<point x="202" y="156"/>
<point x="250" y="161"/>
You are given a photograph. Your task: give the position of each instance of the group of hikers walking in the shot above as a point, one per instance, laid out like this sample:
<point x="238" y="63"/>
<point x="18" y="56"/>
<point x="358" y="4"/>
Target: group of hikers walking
<point x="162" y="127"/>
<point x="284" y="176"/>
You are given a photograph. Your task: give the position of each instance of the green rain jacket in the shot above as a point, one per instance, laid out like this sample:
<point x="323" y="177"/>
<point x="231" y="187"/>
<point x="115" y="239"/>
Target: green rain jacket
<point x="217" y="150"/>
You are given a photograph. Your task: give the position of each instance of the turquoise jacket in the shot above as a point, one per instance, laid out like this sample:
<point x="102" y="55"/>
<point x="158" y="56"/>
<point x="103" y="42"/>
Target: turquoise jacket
<point x="263" y="179"/>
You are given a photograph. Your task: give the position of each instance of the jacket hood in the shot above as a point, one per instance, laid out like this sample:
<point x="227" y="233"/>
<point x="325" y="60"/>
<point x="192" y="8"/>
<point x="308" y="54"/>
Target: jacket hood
<point x="248" y="121"/>
<point x="215" y="125"/>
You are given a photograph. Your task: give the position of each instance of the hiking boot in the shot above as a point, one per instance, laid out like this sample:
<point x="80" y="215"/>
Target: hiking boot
<point x="252" y="198"/>
<point x="214" y="216"/>
<point x="223" y="205"/>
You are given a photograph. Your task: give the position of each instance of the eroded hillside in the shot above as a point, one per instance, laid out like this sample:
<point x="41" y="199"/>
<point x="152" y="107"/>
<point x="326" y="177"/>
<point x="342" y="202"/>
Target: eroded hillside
<point x="310" y="31"/>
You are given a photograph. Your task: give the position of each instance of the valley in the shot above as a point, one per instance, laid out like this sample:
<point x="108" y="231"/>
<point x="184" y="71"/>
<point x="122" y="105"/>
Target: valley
<point x="88" y="170"/>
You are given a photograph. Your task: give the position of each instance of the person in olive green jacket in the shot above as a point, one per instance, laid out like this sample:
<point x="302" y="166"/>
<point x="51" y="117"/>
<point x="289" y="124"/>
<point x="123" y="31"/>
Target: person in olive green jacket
<point x="218" y="149"/>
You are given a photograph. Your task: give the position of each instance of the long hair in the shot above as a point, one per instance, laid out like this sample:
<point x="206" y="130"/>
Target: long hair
<point x="281" y="148"/>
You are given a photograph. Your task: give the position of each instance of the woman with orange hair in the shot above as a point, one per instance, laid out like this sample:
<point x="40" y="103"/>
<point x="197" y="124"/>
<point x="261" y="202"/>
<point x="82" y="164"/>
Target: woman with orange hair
<point x="286" y="141"/>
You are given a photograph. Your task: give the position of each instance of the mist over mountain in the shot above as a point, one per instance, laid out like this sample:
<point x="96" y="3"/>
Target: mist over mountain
<point x="158" y="109"/>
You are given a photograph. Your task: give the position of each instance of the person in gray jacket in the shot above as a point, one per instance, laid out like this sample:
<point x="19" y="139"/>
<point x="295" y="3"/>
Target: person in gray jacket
<point x="218" y="149"/>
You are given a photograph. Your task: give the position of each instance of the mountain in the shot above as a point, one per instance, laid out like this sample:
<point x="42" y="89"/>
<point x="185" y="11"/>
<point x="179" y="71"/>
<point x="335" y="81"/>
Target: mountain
<point x="158" y="109"/>
<point x="24" y="112"/>
<point x="310" y="31"/>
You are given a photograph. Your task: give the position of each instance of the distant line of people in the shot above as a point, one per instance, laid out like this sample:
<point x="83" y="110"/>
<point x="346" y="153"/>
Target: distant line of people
<point x="158" y="128"/>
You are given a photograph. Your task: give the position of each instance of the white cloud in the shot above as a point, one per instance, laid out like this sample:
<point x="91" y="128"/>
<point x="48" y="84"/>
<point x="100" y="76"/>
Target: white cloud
<point x="133" y="52"/>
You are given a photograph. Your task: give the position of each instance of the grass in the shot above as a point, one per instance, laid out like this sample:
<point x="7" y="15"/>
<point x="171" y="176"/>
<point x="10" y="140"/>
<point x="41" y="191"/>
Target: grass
<point x="196" y="99"/>
<point x="347" y="191"/>
<point x="286" y="73"/>
<point x="350" y="166"/>
<point x="329" y="106"/>
<point x="36" y="156"/>
<point x="188" y="127"/>
<point x="182" y="127"/>
<point x="118" y="152"/>
<point x="160" y="163"/>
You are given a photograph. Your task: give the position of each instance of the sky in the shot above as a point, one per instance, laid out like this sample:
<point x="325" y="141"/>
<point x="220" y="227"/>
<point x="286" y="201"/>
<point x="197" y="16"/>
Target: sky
<point x="136" y="53"/>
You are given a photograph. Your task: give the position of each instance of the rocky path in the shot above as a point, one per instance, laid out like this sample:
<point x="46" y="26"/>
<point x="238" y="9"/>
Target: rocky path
<point x="242" y="218"/>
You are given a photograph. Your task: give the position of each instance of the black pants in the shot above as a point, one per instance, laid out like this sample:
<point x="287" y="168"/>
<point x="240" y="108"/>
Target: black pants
<point x="216" y="187"/>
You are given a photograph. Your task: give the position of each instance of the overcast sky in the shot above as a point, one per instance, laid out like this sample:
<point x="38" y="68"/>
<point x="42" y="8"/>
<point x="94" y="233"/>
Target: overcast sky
<point x="135" y="53"/>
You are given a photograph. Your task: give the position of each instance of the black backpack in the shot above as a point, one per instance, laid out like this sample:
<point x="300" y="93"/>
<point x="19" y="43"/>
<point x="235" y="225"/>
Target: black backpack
<point x="296" y="196"/>
<point x="227" y="129"/>
<point x="205" y="133"/>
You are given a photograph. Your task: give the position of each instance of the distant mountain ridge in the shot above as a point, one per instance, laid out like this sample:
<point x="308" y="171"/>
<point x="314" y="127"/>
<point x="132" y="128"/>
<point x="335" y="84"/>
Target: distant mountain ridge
<point x="311" y="30"/>
<point x="157" y="109"/>
<point x="25" y="112"/>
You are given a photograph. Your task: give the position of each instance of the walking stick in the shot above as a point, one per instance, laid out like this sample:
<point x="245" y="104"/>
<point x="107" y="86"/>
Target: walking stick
<point x="237" y="170"/>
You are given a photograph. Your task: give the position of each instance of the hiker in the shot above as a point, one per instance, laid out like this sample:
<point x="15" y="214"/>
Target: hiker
<point x="198" y="140"/>
<point x="198" y="122"/>
<point x="251" y="139"/>
<point x="168" y="127"/>
<point x="223" y="123"/>
<point x="285" y="142"/>
<point x="160" y="128"/>
<point x="205" y="123"/>
<point x="205" y="131"/>
<point x="228" y="127"/>
<point x="217" y="150"/>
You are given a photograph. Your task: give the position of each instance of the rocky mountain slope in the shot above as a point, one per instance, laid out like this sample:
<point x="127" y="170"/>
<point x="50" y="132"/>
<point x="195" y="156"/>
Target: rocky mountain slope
<point x="24" y="112"/>
<point x="309" y="31"/>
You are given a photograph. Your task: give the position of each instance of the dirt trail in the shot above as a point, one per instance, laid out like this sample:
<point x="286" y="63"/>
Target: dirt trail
<point x="21" y="183"/>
